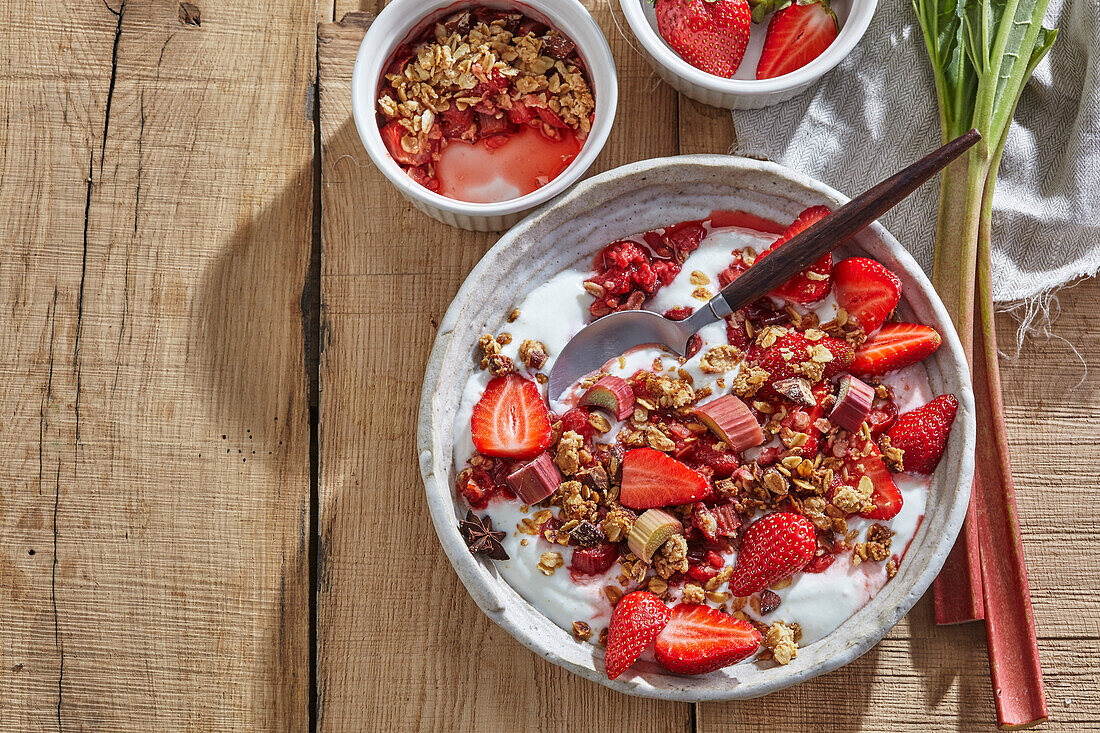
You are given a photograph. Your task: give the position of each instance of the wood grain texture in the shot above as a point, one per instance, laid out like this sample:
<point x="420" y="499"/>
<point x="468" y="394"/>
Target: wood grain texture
<point x="401" y="646"/>
<point x="155" y="213"/>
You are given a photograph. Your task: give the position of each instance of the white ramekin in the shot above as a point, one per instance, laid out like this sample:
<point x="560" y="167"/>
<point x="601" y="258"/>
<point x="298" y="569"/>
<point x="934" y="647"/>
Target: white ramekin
<point x="854" y="17"/>
<point x="398" y="22"/>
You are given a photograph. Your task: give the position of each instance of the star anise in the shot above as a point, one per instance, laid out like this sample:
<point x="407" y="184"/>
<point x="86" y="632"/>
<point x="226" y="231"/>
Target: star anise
<point x="480" y="537"/>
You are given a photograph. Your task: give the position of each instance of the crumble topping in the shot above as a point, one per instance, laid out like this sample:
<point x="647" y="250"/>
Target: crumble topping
<point x="486" y="67"/>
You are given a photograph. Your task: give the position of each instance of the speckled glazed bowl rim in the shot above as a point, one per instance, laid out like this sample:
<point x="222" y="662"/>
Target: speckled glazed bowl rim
<point x="625" y="201"/>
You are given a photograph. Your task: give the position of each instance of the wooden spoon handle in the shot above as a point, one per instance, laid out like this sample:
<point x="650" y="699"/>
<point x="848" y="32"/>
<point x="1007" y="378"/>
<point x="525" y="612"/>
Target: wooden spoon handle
<point x="805" y="248"/>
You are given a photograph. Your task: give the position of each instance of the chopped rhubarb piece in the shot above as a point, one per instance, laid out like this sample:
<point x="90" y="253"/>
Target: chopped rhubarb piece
<point x="594" y="560"/>
<point x="612" y="394"/>
<point x="537" y="480"/>
<point x="728" y="520"/>
<point x="732" y="421"/>
<point x="853" y="404"/>
<point x="651" y="530"/>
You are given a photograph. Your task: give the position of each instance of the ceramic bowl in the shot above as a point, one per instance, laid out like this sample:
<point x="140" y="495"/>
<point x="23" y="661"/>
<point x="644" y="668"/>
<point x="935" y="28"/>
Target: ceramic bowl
<point x="401" y="20"/>
<point x="624" y="201"/>
<point x="745" y="91"/>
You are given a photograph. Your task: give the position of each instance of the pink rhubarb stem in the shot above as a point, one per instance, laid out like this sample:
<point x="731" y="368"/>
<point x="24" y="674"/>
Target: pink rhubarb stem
<point x="957" y="591"/>
<point x="1009" y="621"/>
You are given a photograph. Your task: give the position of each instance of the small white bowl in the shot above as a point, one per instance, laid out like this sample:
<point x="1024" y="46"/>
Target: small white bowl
<point x="399" y="21"/>
<point x="744" y="91"/>
<point x="618" y="203"/>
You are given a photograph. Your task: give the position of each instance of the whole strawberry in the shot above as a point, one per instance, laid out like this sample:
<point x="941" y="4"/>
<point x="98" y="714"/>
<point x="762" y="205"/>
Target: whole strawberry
<point x="772" y="548"/>
<point x="922" y="433"/>
<point x="709" y="34"/>
<point x="635" y="623"/>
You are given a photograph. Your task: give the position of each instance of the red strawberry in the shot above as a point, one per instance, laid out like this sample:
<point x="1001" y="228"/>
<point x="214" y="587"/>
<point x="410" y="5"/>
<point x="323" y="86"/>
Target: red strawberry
<point x="793" y="344"/>
<point x="709" y="34"/>
<point x="812" y="284"/>
<point x="894" y="346"/>
<point x="922" y="433"/>
<point x="867" y="290"/>
<point x="698" y="639"/>
<point x="864" y="459"/>
<point x="797" y="34"/>
<point x="637" y="620"/>
<point x="652" y="479"/>
<point x="772" y="548"/>
<point x="510" y="419"/>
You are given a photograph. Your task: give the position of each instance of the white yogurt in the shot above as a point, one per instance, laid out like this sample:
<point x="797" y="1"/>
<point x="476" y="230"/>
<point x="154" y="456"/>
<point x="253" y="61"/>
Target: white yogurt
<point x="555" y="311"/>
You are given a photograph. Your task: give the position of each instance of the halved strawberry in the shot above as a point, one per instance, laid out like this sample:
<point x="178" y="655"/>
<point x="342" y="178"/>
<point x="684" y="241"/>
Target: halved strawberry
<point x="867" y="290"/>
<point x="772" y="548"/>
<point x="510" y="419"/>
<point x="782" y="359"/>
<point x="864" y="459"/>
<point x="636" y="621"/>
<point x="922" y="433"/>
<point x="709" y="34"/>
<point x="894" y="346"/>
<point x="391" y="136"/>
<point x="651" y="479"/>
<point x="698" y="639"/>
<point x="797" y="34"/>
<point x="812" y="284"/>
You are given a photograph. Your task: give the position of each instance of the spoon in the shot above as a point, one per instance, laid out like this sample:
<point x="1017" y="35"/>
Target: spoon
<point x="616" y="333"/>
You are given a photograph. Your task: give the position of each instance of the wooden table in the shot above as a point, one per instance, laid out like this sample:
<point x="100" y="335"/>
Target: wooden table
<point x="215" y="319"/>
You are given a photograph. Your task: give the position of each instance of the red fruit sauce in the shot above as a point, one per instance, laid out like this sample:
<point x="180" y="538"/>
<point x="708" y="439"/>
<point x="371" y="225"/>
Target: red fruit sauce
<point x="495" y="169"/>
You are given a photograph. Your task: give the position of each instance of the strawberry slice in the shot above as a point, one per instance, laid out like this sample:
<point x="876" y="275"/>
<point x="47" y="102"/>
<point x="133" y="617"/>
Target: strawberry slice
<point x="797" y="34"/>
<point x="510" y="419"/>
<point x="652" y="479"/>
<point x="864" y="459"/>
<point x="636" y="621"/>
<point x="698" y="639"/>
<point x="812" y="284"/>
<point x="772" y="548"/>
<point x="867" y="290"/>
<point x="922" y="433"/>
<point x="894" y="346"/>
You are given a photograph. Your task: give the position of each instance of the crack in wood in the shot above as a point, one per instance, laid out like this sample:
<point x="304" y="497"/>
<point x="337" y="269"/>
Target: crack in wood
<point x="58" y="642"/>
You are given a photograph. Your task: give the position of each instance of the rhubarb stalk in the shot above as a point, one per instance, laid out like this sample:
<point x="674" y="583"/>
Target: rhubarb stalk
<point x="982" y="53"/>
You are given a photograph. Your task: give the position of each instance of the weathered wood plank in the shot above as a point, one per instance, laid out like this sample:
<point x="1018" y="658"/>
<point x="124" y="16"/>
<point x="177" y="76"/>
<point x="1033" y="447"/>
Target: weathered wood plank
<point x="387" y="590"/>
<point x="154" y="461"/>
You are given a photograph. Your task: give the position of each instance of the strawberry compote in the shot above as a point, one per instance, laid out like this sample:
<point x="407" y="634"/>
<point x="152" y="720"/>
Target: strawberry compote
<point x="762" y="476"/>
<point x="485" y="105"/>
